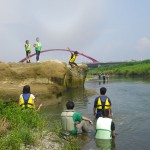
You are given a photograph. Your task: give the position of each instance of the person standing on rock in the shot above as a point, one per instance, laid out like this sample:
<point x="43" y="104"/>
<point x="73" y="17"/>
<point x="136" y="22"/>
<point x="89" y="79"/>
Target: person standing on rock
<point x="27" y="100"/>
<point x="73" y="58"/>
<point x="38" y="47"/>
<point x="72" y="121"/>
<point x="28" y="51"/>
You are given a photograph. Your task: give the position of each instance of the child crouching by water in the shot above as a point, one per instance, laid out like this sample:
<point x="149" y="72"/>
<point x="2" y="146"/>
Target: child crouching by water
<point x="72" y="121"/>
<point x="27" y="100"/>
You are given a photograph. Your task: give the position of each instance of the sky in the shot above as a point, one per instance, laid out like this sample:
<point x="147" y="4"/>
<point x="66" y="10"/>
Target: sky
<point x="106" y="30"/>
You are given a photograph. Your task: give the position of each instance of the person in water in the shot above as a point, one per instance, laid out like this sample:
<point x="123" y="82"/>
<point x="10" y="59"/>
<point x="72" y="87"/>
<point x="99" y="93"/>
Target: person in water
<point x="102" y="102"/>
<point x="105" y="131"/>
<point x="72" y="121"/>
<point x="73" y="58"/>
<point x="27" y="100"/>
<point x="105" y="127"/>
<point x="28" y="51"/>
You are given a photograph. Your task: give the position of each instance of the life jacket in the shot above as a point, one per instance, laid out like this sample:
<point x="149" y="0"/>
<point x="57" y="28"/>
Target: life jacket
<point x="26" y="101"/>
<point x="39" y="46"/>
<point x="27" y="47"/>
<point x="73" y="58"/>
<point x="106" y="105"/>
<point x="103" y="128"/>
<point x="67" y="120"/>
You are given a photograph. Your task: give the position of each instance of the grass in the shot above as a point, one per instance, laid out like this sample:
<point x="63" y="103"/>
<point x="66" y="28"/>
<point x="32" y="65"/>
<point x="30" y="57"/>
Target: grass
<point x="18" y="126"/>
<point x="24" y="127"/>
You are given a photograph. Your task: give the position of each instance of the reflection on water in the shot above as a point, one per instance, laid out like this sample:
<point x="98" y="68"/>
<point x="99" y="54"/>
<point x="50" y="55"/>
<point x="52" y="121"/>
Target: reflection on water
<point x="105" y="144"/>
<point x="130" y="104"/>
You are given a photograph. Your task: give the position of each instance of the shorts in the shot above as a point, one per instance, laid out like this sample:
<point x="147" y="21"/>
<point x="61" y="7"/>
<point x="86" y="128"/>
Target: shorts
<point x="28" y="52"/>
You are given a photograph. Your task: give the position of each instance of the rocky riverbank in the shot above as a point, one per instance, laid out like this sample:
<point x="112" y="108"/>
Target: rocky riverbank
<point x="49" y="141"/>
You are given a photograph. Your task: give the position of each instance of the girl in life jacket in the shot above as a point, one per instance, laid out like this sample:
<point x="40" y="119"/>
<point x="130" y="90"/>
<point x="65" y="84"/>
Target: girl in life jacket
<point x="27" y="100"/>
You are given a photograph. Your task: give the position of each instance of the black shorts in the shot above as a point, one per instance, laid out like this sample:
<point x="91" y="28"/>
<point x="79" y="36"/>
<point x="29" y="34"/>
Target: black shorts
<point x="72" y="63"/>
<point x="28" y="52"/>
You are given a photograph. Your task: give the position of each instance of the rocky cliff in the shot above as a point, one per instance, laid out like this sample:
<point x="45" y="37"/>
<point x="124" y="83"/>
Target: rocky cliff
<point x="47" y="79"/>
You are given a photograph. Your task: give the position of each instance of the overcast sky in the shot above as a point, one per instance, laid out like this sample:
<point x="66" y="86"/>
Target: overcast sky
<point x="107" y="30"/>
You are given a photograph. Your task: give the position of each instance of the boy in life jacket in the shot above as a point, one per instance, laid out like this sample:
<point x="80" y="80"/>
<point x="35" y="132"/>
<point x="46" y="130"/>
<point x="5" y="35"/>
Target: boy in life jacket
<point x="73" y="58"/>
<point x="27" y="100"/>
<point x="102" y="102"/>
<point x="105" y="127"/>
<point x="28" y="51"/>
<point x="72" y="121"/>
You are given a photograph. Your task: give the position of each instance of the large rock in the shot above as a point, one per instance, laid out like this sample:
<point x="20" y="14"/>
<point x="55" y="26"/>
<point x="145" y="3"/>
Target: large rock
<point x="47" y="79"/>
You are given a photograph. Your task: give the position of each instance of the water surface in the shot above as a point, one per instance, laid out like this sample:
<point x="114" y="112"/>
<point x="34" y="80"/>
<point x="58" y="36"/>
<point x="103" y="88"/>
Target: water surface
<point x="131" y="111"/>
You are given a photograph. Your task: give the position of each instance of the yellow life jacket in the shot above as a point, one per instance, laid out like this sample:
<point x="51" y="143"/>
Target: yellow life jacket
<point x="28" y="103"/>
<point x="73" y="58"/>
<point x="106" y="105"/>
<point x="27" y="47"/>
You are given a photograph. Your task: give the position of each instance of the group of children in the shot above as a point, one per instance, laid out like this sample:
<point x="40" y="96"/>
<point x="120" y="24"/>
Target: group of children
<point x="37" y="46"/>
<point x="74" y="123"/>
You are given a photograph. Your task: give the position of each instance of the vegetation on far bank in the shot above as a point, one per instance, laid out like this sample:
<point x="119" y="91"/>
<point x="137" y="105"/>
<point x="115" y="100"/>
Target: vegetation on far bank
<point x="20" y="128"/>
<point x="138" y="68"/>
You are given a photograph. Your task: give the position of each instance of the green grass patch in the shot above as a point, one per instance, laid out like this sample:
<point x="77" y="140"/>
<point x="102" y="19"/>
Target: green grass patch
<point x="18" y="126"/>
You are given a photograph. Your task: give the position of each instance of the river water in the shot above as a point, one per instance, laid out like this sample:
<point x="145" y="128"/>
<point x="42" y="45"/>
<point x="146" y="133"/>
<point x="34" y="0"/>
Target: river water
<point x="130" y="99"/>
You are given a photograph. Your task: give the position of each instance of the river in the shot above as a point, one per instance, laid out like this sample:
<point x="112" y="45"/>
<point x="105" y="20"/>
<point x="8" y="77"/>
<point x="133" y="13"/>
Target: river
<point x="131" y="112"/>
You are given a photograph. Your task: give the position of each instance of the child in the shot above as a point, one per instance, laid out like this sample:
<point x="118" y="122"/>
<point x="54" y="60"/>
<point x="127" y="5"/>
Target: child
<point x="27" y="100"/>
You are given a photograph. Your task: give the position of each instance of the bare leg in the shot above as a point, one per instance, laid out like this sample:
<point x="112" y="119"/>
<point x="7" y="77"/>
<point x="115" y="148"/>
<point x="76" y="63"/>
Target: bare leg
<point x="82" y="126"/>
